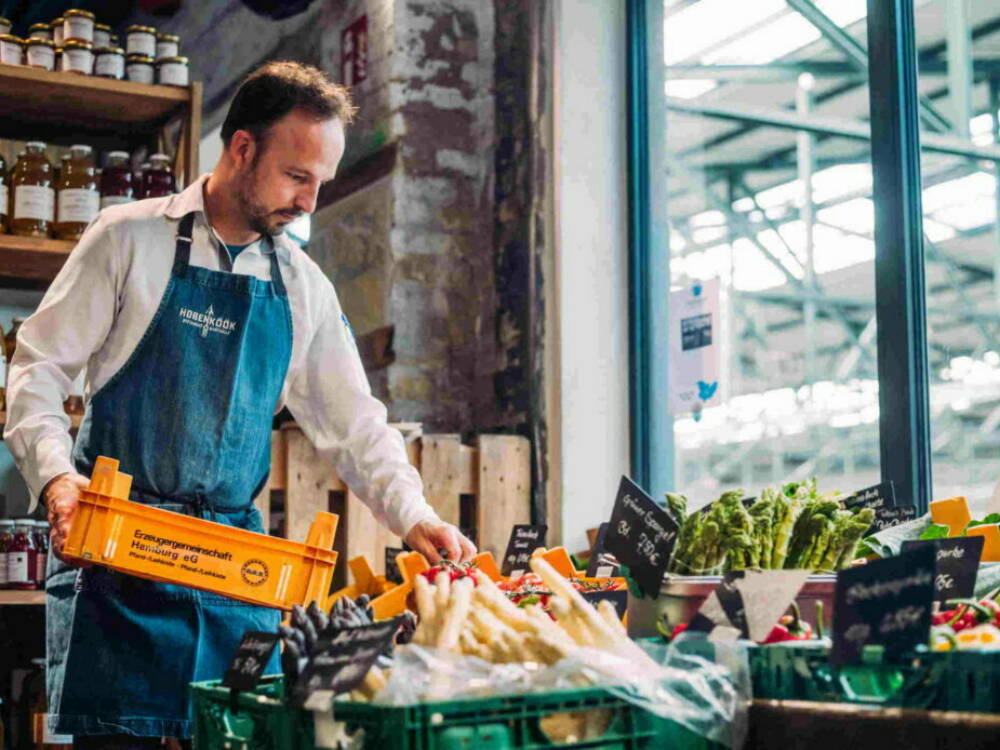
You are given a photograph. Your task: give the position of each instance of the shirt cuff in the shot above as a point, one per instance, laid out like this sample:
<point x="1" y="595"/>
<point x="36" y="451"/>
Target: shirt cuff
<point x="411" y="514"/>
<point x="49" y="459"/>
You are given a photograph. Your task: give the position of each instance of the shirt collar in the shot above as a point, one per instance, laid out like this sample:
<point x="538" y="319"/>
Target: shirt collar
<point x="192" y="198"/>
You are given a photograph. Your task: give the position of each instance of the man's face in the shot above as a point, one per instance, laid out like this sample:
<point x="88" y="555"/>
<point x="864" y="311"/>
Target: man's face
<point x="280" y="181"/>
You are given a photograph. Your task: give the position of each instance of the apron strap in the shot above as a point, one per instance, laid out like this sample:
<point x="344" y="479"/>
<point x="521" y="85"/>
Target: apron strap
<point x="182" y="248"/>
<point x="182" y="254"/>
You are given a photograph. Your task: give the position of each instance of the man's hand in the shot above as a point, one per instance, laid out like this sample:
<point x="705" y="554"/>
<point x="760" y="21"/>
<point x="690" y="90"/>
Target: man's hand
<point x="427" y="537"/>
<point x="61" y="497"/>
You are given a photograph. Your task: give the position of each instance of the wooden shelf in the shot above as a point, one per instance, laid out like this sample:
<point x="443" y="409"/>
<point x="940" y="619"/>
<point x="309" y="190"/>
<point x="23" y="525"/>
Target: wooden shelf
<point x="73" y="101"/>
<point x="22" y="597"/>
<point x="32" y="257"/>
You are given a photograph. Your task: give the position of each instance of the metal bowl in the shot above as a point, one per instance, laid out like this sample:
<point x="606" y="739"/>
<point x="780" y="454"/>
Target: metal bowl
<point x="682" y="596"/>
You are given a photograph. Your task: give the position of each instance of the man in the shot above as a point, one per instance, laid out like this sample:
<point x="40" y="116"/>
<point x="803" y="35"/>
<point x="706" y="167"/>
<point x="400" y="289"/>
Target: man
<point x="196" y="320"/>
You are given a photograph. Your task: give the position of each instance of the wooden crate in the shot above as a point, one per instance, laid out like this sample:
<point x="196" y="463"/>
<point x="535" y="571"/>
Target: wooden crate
<point x="493" y="476"/>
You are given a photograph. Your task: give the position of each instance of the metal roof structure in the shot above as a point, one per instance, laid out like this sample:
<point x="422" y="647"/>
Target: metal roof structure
<point x="770" y="190"/>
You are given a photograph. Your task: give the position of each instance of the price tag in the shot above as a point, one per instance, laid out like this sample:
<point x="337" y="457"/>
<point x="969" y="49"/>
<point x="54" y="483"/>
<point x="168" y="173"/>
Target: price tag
<point x="641" y="535"/>
<point x="886" y="518"/>
<point x="524" y="539"/>
<point x="392" y="572"/>
<point x="252" y="656"/>
<point x="884" y="602"/>
<point x="619" y="598"/>
<point x="339" y="663"/>
<point x="957" y="565"/>
<point x="877" y="497"/>
<point x="599" y="566"/>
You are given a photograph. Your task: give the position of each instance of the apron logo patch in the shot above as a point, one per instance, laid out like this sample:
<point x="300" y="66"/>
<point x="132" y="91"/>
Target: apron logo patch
<point x="254" y="572"/>
<point x="207" y="321"/>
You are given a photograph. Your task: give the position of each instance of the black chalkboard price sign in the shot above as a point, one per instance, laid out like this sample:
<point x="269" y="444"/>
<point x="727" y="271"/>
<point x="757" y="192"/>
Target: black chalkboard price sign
<point x="618" y="597"/>
<point x="957" y="564"/>
<point x="641" y="535"/>
<point x="251" y="657"/>
<point x="885" y="602"/>
<point x="524" y="539"/>
<point x="877" y="497"/>
<point x="339" y="663"/>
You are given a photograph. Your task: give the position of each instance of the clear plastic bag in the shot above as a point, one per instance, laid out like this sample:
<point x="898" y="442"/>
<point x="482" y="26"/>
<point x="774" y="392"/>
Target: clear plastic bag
<point x="707" y="693"/>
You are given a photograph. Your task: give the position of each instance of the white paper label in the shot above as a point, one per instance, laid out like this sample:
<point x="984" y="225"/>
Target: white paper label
<point x="40" y="56"/>
<point x="140" y="72"/>
<point x="141" y="43"/>
<point x="79" y="28"/>
<point x="166" y="49"/>
<point x="11" y="53"/>
<point x="4" y="197"/>
<point x="605" y="571"/>
<point x="101" y="39"/>
<point x="110" y="66"/>
<point x="37" y="34"/>
<point x="115" y="200"/>
<point x="42" y="561"/>
<point x="34" y="202"/>
<point x="17" y="568"/>
<point x="78" y="61"/>
<point x="3" y="568"/>
<point x="78" y="205"/>
<point x="173" y="74"/>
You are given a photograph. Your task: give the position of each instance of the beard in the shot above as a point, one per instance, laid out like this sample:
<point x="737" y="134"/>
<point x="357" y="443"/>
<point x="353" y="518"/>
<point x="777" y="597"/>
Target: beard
<point x="257" y="215"/>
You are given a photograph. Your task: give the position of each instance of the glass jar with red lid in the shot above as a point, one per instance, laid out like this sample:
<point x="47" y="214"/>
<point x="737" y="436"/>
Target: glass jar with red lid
<point x="22" y="557"/>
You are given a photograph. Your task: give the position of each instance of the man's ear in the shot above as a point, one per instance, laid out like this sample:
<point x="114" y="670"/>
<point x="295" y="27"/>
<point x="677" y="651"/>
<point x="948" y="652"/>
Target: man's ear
<point x="242" y="148"/>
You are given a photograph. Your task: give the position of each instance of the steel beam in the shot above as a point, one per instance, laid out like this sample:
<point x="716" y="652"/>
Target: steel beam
<point x="856" y="54"/>
<point x="805" y="144"/>
<point x="959" y="64"/>
<point x="776" y="72"/>
<point x="851" y="129"/>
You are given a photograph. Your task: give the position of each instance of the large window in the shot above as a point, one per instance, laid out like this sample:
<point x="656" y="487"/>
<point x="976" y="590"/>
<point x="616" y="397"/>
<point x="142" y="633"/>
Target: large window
<point x="769" y="185"/>
<point x="858" y="335"/>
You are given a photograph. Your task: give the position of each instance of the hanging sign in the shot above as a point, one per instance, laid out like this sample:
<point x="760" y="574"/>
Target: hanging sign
<point x="694" y="348"/>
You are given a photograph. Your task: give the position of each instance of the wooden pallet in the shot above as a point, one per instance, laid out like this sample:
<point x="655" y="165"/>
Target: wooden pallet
<point x="494" y="474"/>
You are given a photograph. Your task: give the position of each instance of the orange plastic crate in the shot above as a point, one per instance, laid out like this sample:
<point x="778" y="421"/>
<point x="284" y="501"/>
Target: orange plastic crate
<point x="164" y="546"/>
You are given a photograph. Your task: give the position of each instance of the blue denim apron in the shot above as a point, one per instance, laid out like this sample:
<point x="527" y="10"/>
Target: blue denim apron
<point x="189" y="417"/>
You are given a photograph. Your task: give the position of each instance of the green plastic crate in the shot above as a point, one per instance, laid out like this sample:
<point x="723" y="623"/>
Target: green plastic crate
<point x="941" y="681"/>
<point x="517" y="722"/>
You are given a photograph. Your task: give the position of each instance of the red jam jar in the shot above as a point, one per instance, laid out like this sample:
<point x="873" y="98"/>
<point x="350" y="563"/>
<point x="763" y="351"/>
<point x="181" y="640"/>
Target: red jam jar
<point x="22" y="557"/>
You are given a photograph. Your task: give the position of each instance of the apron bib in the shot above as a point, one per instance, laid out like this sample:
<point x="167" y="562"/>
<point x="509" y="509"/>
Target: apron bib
<point x="189" y="417"/>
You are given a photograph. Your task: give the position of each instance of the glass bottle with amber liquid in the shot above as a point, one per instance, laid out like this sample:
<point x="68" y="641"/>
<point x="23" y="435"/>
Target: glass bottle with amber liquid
<point x="34" y="198"/>
<point x="79" y="198"/>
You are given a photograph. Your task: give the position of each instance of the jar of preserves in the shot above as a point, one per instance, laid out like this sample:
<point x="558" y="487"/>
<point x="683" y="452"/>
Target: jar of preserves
<point x="78" y="57"/>
<point x="42" y="558"/>
<point x="10" y="340"/>
<point x="140" y="40"/>
<point x="6" y="537"/>
<point x="34" y="197"/>
<point x="109" y="62"/>
<point x="4" y="196"/>
<point x="40" y="31"/>
<point x="57" y="31"/>
<point x="21" y="557"/>
<point x="158" y="177"/>
<point x="172" y="71"/>
<point x="78" y="197"/>
<point x="167" y="45"/>
<point x="41" y="53"/>
<point x="78" y="24"/>
<point x="139" y="68"/>
<point x="5" y="25"/>
<point x="11" y="50"/>
<point x="116" y="180"/>
<point x="102" y="35"/>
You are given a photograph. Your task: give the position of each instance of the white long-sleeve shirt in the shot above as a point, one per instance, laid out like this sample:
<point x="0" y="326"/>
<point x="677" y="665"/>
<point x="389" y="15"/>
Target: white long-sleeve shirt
<point x="102" y="302"/>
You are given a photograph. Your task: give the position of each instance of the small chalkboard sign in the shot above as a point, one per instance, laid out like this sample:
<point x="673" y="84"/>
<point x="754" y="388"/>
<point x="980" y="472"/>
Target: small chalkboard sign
<point x="641" y="535"/>
<point x="392" y="572"/>
<point x="880" y="496"/>
<point x="886" y="518"/>
<point x="618" y="597"/>
<point x="339" y="663"/>
<point x="957" y="564"/>
<point x="598" y="566"/>
<point x="252" y="656"/>
<point x="524" y="539"/>
<point x="885" y="602"/>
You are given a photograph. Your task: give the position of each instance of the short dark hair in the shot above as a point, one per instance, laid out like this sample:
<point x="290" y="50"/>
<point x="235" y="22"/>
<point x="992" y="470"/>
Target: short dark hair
<point x="275" y="89"/>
